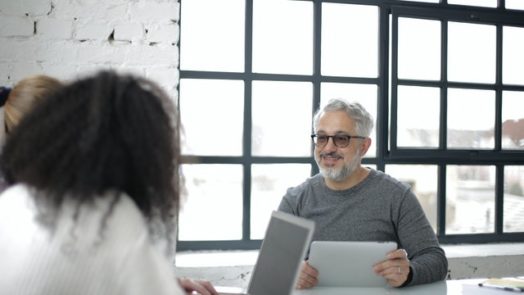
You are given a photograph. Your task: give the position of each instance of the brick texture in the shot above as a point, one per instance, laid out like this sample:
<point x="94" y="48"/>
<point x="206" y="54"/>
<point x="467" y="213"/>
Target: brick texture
<point x="69" y="39"/>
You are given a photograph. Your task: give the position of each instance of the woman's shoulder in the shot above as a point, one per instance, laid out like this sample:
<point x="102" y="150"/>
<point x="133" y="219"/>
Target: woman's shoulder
<point x="113" y="214"/>
<point x="16" y="196"/>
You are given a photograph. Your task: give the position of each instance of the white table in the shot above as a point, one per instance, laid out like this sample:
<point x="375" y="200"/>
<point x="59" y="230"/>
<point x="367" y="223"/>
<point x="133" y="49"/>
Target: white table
<point x="452" y="287"/>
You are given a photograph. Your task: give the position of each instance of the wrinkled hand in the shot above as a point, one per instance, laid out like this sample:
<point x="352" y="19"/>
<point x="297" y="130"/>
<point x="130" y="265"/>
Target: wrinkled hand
<point x="308" y="277"/>
<point x="395" y="269"/>
<point x="197" y="286"/>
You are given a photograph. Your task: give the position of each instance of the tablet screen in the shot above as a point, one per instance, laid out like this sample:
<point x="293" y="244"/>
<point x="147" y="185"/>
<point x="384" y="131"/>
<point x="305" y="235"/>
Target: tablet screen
<point x="349" y="263"/>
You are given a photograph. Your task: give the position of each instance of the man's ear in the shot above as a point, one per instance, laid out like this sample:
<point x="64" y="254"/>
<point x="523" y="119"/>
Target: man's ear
<point x="366" y="143"/>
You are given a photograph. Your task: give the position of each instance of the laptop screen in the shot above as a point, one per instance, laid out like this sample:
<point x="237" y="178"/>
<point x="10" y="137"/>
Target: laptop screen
<point x="283" y="249"/>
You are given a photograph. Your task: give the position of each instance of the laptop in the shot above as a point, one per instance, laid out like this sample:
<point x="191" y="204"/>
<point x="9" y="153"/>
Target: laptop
<point x="349" y="263"/>
<point x="281" y="254"/>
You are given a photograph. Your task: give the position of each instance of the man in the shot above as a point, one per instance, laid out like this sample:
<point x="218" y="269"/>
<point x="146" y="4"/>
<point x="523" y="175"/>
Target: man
<point x="350" y="202"/>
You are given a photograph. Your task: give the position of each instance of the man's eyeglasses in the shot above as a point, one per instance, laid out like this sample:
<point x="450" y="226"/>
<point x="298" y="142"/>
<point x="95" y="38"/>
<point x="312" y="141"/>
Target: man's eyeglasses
<point x="340" y="140"/>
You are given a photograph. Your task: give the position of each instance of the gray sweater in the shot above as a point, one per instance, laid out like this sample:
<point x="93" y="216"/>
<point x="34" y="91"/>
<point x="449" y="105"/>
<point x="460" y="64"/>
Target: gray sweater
<point x="379" y="208"/>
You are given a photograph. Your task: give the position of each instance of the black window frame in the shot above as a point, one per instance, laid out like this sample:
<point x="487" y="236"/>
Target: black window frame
<point x="387" y="150"/>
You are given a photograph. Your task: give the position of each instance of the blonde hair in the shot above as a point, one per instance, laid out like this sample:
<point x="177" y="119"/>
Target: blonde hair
<point x="25" y="95"/>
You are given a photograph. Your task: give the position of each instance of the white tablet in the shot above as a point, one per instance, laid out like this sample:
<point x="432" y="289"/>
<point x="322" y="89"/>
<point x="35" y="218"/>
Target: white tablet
<point x="348" y="263"/>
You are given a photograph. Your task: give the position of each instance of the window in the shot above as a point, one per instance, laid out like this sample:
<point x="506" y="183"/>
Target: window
<point x="456" y="106"/>
<point x="442" y="80"/>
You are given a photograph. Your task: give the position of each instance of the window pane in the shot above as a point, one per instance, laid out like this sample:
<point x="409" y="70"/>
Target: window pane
<point x="422" y="180"/>
<point x="282" y="37"/>
<point x="349" y="40"/>
<point x="207" y="23"/>
<point x="483" y="3"/>
<point x="269" y="183"/>
<point x="470" y="199"/>
<point x="514" y="4"/>
<point x="282" y="118"/>
<point x="418" y="49"/>
<point x="418" y="116"/>
<point x="471" y="118"/>
<point x="513" y="120"/>
<point x="471" y="53"/>
<point x="512" y="58"/>
<point x="211" y="190"/>
<point x="207" y="131"/>
<point x="364" y="94"/>
<point x="514" y="199"/>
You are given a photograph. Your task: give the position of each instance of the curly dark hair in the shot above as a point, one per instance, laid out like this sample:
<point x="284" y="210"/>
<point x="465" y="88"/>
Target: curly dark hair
<point x="107" y="132"/>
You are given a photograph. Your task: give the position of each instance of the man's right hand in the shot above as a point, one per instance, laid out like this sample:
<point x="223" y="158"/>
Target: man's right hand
<point x="308" y="277"/>
<point x="197" y="286"/>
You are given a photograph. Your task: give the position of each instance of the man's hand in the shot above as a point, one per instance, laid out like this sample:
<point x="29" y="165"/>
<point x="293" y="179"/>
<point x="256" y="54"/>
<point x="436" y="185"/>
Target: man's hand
<point x="395" y="269"/>
<point x="197" y="286"/>
<point x="308" y="277"/>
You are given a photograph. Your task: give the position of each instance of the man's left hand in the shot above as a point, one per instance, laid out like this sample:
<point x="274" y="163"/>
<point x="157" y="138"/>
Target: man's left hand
<point x="395" y="269"/>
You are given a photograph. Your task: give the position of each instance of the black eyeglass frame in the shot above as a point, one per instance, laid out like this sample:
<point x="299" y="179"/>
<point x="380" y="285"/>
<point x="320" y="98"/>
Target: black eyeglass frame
<point x="347" y="137"/>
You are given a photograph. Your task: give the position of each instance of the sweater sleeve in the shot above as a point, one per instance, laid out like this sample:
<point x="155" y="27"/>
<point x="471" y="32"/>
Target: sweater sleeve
<point x="416" y="236"/>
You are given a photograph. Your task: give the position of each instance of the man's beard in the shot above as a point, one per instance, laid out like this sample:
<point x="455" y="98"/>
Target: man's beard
<point x="339" y="175"/>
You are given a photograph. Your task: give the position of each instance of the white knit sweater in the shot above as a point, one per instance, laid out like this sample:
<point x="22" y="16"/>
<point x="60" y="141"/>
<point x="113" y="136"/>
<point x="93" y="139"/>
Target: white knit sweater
<point x="78" y="257"/>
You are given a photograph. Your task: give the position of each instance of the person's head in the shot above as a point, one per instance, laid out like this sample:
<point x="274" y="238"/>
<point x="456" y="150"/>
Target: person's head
<point x="102" y="134"/>
<point x="342" y="132"/>
<point x="25" y="95"/>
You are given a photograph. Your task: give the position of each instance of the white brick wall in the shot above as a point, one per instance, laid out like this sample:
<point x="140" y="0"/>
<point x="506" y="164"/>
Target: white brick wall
<point x="68" y="39"/>
<point x="129" y="32"/>
<point x="12" y="26"/>
<point x="92" y="30"/>
<point x="23" y="7"/>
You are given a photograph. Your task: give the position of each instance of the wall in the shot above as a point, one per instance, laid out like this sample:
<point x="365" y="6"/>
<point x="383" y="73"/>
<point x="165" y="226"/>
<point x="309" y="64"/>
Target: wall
<point x="71" y="38"/>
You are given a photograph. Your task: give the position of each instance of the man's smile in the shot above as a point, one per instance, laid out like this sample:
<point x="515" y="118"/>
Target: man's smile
<point x="330" y="159"/>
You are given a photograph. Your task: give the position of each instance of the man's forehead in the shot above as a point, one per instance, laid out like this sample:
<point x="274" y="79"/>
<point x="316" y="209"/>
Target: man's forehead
<point x="335" y="122"/>
<point x="336" y="132"/>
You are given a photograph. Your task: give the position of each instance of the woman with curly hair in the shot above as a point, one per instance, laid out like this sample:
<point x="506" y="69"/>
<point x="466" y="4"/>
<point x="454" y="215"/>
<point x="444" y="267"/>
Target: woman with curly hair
<point x="94" y="191"/>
